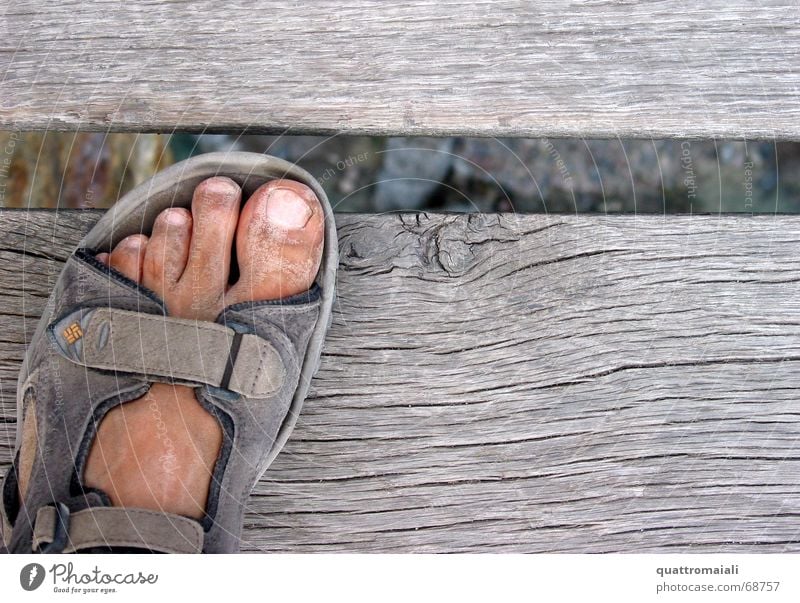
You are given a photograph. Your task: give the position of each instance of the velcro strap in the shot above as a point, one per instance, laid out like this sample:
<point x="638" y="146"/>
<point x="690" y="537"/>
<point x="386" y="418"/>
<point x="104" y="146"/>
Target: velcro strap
<point x="119" y="527"/>
<point x="172" y="348"/>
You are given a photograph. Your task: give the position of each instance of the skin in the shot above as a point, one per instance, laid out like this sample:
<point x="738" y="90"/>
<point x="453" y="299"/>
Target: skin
<point x="158" y="452"/>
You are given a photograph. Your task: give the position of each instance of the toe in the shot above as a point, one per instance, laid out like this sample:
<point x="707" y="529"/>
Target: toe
<point x="167" y="250"/>
<point x="215" y="214"/>
<point x="102" y="258"/>
<point x="128" y="256"/>
<point x="278" y="242"/>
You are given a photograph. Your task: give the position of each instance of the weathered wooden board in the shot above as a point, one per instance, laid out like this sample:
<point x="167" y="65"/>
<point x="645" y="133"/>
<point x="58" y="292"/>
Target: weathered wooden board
<point x="493" y="68"/>
<point x="522" y="383"/>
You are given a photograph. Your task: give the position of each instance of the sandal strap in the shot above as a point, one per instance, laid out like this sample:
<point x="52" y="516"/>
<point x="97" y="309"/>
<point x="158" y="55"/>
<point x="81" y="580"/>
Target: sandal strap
<point x="168" y="348"/>
<point x="114" y="527"/>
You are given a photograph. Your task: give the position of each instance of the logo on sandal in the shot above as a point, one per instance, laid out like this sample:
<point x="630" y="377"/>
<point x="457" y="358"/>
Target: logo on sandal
<point x="31" y="576"/>
<point x="73" y="333"/>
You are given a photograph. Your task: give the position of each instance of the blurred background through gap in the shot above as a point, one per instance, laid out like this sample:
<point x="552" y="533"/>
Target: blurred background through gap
<point x="370" y="174"/>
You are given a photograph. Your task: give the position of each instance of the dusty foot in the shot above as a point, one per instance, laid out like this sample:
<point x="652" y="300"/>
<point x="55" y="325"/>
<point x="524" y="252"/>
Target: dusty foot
<point x="158" y="452"/>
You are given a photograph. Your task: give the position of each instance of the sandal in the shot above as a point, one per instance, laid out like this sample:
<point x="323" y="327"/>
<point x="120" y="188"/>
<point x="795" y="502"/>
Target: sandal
<point x="103" y="340"/>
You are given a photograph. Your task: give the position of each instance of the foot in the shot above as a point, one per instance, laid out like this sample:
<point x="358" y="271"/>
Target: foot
<point x="158" y="452"/>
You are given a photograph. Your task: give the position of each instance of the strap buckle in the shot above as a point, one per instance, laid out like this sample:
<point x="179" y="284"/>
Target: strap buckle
<point x="60" y="537"/>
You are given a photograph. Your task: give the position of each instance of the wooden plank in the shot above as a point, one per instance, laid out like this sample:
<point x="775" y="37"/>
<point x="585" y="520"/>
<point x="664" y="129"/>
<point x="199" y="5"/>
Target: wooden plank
<point x="522" y="383"/>
<point x="720" y="68"/>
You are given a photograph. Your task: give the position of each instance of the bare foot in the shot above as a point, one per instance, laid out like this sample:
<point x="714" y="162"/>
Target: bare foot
<point x="158" y="452"/>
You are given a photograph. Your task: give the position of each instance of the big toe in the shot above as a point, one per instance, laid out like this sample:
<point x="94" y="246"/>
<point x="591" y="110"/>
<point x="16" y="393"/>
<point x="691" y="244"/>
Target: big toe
<point x="279" y="242"/>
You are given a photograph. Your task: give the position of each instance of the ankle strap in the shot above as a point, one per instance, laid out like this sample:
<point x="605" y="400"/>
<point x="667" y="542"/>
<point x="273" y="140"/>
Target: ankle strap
<point x="56" y="530"/>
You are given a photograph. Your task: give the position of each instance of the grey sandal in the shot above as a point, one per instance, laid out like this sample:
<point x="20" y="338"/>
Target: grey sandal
<point x="103" y="340"/>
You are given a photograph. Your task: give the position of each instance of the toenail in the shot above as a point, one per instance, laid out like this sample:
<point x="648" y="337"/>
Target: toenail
<point x="175" y="217"/>
<point x="134" y="241"/>
<point x="224" y="187"/>
<point x="287" y="209"/>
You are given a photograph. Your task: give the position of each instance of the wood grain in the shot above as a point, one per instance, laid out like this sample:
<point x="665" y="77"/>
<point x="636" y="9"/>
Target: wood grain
<point x="611" y="68"/>
<point x="538" y="383"/>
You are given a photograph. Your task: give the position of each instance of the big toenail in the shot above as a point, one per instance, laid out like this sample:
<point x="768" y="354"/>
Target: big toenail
<point x="287" y="209"/>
